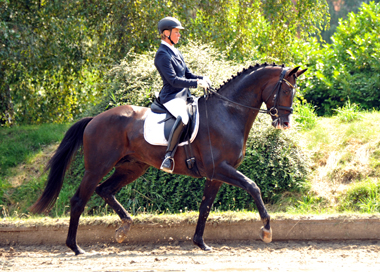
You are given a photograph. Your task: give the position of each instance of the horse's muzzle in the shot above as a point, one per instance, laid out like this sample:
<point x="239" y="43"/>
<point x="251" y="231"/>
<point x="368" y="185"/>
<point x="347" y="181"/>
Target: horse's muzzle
<point x="281" y="123"/>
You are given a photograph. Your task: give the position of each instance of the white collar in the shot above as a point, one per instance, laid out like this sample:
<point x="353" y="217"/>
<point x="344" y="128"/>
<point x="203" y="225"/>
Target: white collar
<point x="175" y="50"/>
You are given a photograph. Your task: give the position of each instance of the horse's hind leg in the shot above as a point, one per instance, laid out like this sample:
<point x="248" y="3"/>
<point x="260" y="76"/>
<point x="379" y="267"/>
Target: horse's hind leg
<point x="123" y="175"/>
<point x="209" y="194"/>
<point x="78" y="202"/>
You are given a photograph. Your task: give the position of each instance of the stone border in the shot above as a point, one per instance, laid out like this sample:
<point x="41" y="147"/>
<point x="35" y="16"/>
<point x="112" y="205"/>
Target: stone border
<point x="283" y="229"/>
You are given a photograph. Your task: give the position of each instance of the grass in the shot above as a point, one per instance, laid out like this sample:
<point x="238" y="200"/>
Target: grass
<point x="24" y="152"/>
<point x="176" y="219"/>
<point x="344" y="152"/>
<point x="349" y="112"/>
<point x="21" y="144"/>
<point x="305" y="116"/>
<point x="345" y="176"/>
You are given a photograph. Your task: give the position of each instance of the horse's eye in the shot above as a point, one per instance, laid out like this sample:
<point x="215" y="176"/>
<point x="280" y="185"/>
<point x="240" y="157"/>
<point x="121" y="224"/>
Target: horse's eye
<point x="287" y="91"/>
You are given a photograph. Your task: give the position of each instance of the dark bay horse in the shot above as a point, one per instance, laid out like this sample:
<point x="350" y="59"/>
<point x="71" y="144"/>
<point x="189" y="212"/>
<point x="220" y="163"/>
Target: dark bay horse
<point x="114" y="139"/>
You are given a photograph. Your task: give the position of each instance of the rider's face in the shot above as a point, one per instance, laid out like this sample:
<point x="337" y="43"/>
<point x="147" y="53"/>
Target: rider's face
<point x="174" y="36"/>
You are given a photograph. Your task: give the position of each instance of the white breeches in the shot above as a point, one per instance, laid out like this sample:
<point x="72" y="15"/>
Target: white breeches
<point x="177" y="107"/>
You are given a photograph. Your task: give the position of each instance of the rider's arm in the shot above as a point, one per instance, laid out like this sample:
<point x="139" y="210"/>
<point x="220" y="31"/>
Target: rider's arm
<point x="165" y="67"/>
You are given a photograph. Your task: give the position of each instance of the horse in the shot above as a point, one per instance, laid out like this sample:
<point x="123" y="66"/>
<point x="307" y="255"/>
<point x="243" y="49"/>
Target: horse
<point x="114" y="140"/>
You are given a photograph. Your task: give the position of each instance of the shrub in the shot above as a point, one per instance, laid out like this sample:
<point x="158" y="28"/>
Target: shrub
<point x="348" y="68"/>
<point x="273" y="160"/>
<point x="136" y="79"/>
<point x="305" y="116"/>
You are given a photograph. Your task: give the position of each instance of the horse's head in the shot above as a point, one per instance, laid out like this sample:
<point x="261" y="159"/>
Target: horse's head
<point x="278" y="97"/>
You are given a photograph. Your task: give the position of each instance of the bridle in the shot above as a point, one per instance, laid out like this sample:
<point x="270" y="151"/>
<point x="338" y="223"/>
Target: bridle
<point x="273" y="111"/>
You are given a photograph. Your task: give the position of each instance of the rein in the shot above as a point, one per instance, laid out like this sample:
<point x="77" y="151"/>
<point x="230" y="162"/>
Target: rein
<point x="212" y="90"/>
<point x="272" y="111"/>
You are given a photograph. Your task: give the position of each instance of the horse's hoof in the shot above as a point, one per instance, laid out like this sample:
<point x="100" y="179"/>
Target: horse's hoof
<point x="266" y="235"/>
<point x="79" y="251"/>
<point x="122" y="232"/>
<point x="206" y="248"/>
<point x="202" y="245"/>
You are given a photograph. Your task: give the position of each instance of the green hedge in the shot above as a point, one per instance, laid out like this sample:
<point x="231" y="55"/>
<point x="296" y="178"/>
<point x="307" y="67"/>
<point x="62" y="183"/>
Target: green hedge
<point x="349" y="68"/>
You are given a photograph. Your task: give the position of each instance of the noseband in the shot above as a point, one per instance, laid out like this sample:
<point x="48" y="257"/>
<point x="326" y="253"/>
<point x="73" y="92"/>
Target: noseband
<point x="272" y="111"/>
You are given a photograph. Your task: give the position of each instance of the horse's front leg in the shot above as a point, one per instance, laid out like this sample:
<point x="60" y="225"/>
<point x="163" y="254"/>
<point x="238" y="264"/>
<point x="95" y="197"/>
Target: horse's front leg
<point x="209" y="194"/>
<point x="230" y="175"/>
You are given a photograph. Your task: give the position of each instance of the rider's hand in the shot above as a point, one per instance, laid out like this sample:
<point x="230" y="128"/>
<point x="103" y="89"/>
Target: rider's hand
<point x="203" y="83"/>
<point x="207" y="79"/>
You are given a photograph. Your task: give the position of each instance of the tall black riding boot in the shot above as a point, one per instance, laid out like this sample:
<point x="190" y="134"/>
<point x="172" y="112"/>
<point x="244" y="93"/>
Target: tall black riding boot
<point x="176" y="132"/>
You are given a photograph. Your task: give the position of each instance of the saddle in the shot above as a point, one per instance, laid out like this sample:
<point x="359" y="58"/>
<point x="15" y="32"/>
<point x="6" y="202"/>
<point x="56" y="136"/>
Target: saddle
<point x="189" y="133"/>
<point x="169" y="120"/>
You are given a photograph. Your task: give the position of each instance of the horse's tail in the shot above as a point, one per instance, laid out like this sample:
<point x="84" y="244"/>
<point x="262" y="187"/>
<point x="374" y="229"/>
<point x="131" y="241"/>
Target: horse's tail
<point x="58" y="165"/>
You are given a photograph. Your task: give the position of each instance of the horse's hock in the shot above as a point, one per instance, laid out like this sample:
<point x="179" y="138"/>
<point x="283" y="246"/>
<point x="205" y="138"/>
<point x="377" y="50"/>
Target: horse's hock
<point x="283" y="229"/>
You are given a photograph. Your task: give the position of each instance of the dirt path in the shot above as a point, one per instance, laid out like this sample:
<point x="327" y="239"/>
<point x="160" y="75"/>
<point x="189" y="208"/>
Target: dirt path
<point x="183" y="256"/>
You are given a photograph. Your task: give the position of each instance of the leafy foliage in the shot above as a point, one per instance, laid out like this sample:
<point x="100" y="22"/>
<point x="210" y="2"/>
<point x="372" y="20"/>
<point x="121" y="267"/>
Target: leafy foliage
<point x="54" y="54"/>
<point x="135" y="79"/>
<point x="258" y="28"/>
<point x="48" y="61"/>
<point x="274" y="160"/>
<point x="339" y="10"/>
<point x="349" y="67"/>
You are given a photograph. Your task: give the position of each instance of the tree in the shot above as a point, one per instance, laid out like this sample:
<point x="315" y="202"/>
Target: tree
<point x="339" y="9"/>
<point x="349" y="68"/>
<point x="259" y="28"/>
<point x="54" y="54"/>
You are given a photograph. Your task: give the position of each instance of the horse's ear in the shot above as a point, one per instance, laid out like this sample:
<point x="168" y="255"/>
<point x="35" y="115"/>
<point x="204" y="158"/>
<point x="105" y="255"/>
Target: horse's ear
<point x="293" y="71"/>
<point x="301" y="72"/>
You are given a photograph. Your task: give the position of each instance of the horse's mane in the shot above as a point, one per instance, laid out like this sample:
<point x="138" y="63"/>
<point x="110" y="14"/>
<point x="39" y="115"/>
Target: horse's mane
<point x="246" y="71"/>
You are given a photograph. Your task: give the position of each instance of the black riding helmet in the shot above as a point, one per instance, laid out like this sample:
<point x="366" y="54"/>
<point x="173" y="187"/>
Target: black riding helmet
<point x="168" y="23"/>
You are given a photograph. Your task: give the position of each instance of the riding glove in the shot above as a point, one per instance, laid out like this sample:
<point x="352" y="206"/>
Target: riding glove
<point x="207" y="79"/>
<point x="203" y="83"/>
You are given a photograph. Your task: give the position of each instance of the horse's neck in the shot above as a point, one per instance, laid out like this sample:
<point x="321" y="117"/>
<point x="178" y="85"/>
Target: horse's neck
<point x="247" y="89"/>
<point x="246" y="92"/>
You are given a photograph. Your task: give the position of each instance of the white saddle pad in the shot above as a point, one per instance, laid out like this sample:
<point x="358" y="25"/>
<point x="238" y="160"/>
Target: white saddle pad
<point x="154" y="132"/>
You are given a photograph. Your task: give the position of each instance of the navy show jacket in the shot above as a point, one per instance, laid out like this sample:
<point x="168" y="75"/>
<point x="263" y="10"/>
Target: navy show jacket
<point x="176" y="77"/>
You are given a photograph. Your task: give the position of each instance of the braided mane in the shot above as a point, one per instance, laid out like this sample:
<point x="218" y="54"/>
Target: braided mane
<point x="246" y="71"/>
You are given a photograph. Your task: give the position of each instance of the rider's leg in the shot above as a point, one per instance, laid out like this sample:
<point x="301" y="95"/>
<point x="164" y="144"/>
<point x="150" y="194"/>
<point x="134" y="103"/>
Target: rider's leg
<point x="168" y="163"/>
<point x="177" y="107"/>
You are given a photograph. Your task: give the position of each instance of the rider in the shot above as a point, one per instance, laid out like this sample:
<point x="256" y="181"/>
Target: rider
<point x="177" y="79"/>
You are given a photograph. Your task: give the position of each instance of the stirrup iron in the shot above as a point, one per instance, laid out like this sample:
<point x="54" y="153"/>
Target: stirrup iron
<point x="167" y="163"/>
